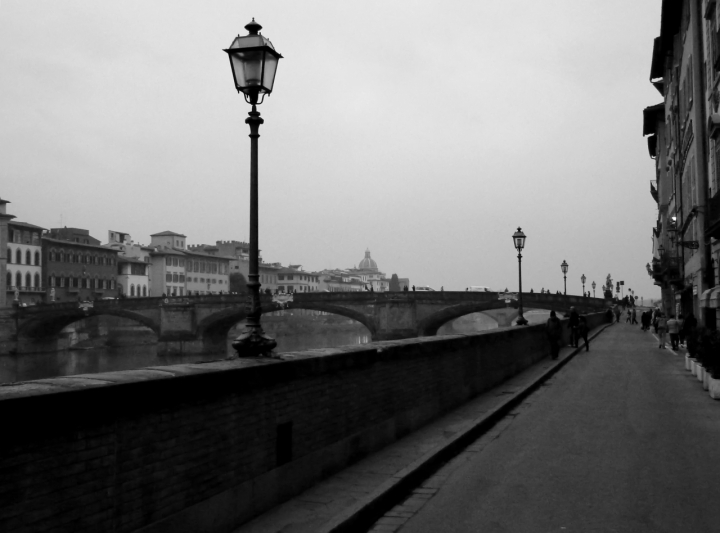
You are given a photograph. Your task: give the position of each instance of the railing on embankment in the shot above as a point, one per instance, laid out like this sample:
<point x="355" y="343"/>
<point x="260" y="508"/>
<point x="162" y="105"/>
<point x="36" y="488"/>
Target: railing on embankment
<point x="205" y="447"/>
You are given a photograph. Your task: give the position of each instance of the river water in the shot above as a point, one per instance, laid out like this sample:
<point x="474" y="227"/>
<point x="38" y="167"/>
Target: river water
<point x="93" y="354"/>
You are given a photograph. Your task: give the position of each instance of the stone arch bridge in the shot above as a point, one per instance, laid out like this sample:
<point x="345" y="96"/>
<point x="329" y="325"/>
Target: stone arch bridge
<point x="202" y="323"/>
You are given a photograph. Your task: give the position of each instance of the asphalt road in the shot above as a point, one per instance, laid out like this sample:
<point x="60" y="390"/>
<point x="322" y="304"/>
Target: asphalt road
<point x="622" y="439"/>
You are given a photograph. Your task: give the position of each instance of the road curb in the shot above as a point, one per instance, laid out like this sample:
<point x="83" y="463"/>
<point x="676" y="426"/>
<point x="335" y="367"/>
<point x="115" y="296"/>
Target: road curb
<point x="369" y="509"/>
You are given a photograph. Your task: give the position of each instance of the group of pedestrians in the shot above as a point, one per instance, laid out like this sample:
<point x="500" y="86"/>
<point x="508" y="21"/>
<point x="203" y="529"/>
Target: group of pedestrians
<point x="678" y="328"/>
<point x="577" y="324"/>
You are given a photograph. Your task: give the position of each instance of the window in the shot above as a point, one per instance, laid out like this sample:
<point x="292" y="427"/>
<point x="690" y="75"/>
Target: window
<point x="132" y="290"/>
<point x="175" y="277"/>
<point x="37" y="280"/>
<point x="182" y="262"/>
<point x="174" y="262"/>
<point x="9" y="255"/>
<point x="18" y="280"/>
<point x="144" y="290"/>
<point x="18" y="256"/>
<point x="168" y="277"/>
<point x="61" y="256"/>
<point x="182" y="278"/>
<point x="51" y="280"/>
<point x="281" y="277"/>
<point x="8" y="279"/>
<point x="62" y="281"/>
<point x="168" y="261"/>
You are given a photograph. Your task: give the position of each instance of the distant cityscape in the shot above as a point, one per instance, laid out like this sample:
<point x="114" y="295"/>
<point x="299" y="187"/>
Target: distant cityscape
<point x="39" y="265"/>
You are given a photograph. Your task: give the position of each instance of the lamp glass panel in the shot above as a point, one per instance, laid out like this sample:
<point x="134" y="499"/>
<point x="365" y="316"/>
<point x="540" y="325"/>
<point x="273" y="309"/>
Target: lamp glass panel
<point x="247" y="67"/>
<point x="271" y="63"/>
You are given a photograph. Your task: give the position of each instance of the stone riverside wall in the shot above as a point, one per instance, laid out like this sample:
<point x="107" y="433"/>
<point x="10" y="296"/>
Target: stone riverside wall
<point x="205" y="447"/>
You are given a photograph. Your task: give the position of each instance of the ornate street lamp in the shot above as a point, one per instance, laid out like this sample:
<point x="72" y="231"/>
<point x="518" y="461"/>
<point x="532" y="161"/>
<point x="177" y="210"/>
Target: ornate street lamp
<point x="583" y="278"/>
<point x="519" y="241"/>
<point x="593" y="286"/>
<point x="564" y="268"/>
<point x="254" y="61"/>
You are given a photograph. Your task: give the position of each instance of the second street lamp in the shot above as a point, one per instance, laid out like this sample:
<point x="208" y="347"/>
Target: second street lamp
<point x="564" y="268"/>
<point x="253" y="60"/>
<point x="519" y="241"/>
<point x="593" y="286"/>
<point x="583" y="278"/>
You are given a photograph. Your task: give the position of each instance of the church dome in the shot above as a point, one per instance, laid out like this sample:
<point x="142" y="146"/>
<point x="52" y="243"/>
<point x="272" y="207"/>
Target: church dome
<point x="368" y="263"/>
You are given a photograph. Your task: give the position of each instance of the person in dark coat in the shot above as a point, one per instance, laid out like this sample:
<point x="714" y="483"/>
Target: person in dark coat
<point x="573" y="324"/>
<point x="553" y="330"/>
<point x="583" y="332"/>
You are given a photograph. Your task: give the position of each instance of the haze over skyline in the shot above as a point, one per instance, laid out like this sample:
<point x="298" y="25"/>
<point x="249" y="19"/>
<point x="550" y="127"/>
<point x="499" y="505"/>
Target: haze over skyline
<point x="427" y="135"/>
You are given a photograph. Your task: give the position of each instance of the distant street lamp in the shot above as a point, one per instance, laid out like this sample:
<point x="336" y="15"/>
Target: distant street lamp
<point x="583" y="278"/>
<point x="519" y="241"/>
<point x="593" y="286"/>
<point x="564" y="268"/>
<point x="254" y="61"/>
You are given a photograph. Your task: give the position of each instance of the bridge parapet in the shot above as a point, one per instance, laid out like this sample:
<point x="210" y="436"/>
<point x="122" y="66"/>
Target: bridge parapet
<point x="207" y="319"/>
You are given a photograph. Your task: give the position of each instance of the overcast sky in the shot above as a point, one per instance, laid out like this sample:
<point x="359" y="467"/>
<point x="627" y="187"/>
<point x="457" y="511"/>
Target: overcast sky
<point x="426" y="131"/>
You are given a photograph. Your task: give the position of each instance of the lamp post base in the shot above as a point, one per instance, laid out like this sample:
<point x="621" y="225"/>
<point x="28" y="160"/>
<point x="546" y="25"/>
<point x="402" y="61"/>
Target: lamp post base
<point x="521" y="321"/>
<point x="254" y="343"/>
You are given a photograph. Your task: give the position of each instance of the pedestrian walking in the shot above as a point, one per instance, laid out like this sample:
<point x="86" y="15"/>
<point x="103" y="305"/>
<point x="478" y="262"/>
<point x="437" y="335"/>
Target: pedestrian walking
<point x="673" y="329"/>
<point x="553" y="330"/>
<point x="661" y="329"/>
<point x="573" y="324"/>
<point x="634" y="317"/>
<point x="617" y="313"/>
<point x="629" y="316"/>
<point x="583" y="332"/>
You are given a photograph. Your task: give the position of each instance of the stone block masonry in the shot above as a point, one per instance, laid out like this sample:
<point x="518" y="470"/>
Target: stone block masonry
<point x="206" y="447"/>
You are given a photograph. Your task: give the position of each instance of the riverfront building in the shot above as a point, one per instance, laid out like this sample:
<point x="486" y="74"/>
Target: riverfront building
<point x="684" y="141"/>
<point x="238" y="253"/>
<point x="179" y="271"/>
<point x="4" y="219"/>
<point x="133" y="274"/>
<point x="76" y="266"/>
<point x="24" y="264"/>
<point x="295" y="279"/>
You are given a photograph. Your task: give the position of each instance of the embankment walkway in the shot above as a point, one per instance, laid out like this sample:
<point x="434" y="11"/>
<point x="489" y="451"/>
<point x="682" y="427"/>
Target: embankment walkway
<point x="355" y="498"/>
<point x="622" y="439"/>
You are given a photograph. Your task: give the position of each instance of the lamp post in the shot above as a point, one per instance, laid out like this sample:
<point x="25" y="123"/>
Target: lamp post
<point x="519" y="241"/>
<point x="564" y="268"/>
<point x="583" y="278"/>
<point x="254" y="61"/>
<point x="593" y="286"/>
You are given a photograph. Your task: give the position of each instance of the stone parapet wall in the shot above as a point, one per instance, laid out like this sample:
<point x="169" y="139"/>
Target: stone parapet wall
<point x="205" y="447"/>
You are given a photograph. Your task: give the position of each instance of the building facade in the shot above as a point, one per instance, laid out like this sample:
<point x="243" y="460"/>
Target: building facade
<point x="4" y="220"/>
<point x="133" y="274"/>
<point x="24" y="264"/>
<point x="77" y="267"/>
<point x="683" y="133"/>
<point x="179" y="270"/>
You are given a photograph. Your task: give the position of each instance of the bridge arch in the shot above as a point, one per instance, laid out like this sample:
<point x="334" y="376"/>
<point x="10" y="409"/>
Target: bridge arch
<point x="52" y="325"/>
<point x="218" y="325"/>
<point x="549" y="302"/>
<point x="429" y="325"/>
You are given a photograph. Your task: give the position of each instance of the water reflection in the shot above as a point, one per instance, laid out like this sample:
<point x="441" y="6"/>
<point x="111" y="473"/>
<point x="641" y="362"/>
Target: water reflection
<point x="92" y="354"/>
<point x="121" y="346"/>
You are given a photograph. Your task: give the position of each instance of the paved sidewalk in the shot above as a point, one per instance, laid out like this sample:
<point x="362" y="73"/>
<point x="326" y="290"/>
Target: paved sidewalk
<point x="362" y="492"/>
<point x="624" y="439"/>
